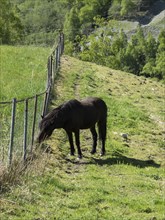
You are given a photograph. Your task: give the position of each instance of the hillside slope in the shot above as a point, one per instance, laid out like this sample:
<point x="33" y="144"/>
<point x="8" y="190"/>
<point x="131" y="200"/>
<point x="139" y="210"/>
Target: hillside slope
<point x="127" y="183"/>
<point x="135" y="103"/>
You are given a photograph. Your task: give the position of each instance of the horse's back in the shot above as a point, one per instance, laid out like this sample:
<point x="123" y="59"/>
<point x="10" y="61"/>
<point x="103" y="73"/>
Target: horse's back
<point x="96" y="103"/>
<point x="94" y="108"/>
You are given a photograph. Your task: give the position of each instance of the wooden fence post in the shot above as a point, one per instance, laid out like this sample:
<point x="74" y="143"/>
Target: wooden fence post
<point x="10" y="153"/>
<point x="25" y="130"/>
<point x="34" y="121"/>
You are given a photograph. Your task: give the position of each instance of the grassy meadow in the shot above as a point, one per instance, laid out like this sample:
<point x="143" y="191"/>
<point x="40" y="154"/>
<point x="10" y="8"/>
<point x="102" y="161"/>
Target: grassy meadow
<point x="127" y="183"/>
<point x="22" y="71"/>
<point x="23" y="74"/>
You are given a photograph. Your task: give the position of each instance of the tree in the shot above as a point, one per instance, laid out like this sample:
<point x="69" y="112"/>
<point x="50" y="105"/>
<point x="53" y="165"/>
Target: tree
<point x="10" y="25"/>
<point x="149" y="68"/>
<point x="115" y="8"/>
<point x="72" y="24"/>
<point x="151" y="47"/>
<point x="160" y="56"/>
<point x="131" y="64"/>
<point x="127" y="7"/>
<point x="42" y="20"/>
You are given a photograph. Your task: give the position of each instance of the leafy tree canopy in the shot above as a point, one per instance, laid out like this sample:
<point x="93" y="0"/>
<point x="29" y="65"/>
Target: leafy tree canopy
<point x="11" y="29"/>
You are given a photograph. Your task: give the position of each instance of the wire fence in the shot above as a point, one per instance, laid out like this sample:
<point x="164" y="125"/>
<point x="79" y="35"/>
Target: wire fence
<point x="20" y="118"/>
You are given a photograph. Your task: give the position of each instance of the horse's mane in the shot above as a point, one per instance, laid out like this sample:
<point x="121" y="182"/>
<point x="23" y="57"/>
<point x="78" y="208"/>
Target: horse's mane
<point x="61" y="111"/>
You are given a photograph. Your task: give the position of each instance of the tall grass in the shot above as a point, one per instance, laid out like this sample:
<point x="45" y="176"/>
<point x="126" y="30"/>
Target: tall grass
<point x="23" y="73"/>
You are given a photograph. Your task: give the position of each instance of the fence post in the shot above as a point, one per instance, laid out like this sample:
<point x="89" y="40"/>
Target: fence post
<point x="34" y="121"/>
<point x="50" y="70"/>
<point x="62" y="42"/>
<point x="59" y="52"/>
<point x="45" y="104"/>
<point x="25" y="130"/>
<point x="54" y="65"/>
<point x="10" y="153"/>
<point x="56" y="58"/>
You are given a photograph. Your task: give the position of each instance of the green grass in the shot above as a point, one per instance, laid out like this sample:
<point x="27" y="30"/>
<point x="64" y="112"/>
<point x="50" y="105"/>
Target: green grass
<point x="127" y="183"/>
<point x="23" y="74"/>
<point x="22" y="71"/>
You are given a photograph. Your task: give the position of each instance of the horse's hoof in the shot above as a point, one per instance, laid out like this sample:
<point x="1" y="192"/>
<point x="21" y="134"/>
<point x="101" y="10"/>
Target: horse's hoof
<point x="79" y="156"/>
<point x="102" y="154"/>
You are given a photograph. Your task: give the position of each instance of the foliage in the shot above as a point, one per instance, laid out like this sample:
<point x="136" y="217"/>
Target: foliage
<point x="41" y="20"/>
<point x="81" y="15"/>
<point x="139" y="55"/>
<point x="11" y="29"/>
<point x="160" y="58"/>
<point x="128" y="8"/>
<point x="72" y="24"/>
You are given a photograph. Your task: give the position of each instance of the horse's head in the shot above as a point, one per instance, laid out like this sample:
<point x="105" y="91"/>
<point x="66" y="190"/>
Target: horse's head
<point x="48" y="123"/>
<point x="46" y="128"/>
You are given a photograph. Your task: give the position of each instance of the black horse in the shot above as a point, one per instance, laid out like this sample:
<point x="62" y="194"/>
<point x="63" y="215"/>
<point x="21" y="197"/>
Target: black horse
<point x="73" y="116"/>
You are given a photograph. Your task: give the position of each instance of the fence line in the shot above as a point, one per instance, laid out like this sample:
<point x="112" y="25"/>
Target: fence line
<point x="29" y="119"/>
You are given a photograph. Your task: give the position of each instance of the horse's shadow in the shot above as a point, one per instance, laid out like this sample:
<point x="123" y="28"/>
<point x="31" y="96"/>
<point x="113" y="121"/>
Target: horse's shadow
<point x="120" y="159"/>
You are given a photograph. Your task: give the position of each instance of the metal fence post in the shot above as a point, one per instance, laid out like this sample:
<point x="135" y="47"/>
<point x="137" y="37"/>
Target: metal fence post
<point x="56" y="58"/>
<point x="50" y="70"/>
<point x="53" y="65"/>
<point x="10" y="153"/>
<point x="45" y="104"/>
<point x="59" y="52"/>
<point x="34" y="121"/>
<point x="25" y="130"/>
<point x="62" y="42"/>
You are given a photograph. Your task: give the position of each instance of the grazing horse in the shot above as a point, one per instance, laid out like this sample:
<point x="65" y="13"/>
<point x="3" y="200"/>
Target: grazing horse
<point x="74" y="115"/>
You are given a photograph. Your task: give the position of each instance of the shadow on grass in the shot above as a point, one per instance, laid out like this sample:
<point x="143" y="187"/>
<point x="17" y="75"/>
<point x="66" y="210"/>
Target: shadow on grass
<point x="120" y="159"/>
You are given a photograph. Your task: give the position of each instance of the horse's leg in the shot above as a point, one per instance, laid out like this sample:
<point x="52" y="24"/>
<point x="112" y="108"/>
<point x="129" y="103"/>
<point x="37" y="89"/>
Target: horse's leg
<point x="77" y="137"/>
<point x="103" y="148"/>
<point x="94" y="135"/>
<point x="70" y="137"/>
<point x="102" y="134"/>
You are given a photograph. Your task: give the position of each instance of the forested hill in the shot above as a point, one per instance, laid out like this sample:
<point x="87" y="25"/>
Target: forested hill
<point x="121" y="34"/>
<point x="39" y="21"/>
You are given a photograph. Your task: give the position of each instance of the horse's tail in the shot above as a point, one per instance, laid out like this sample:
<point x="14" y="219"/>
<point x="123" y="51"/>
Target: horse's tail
<point x="102" y="125"/>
